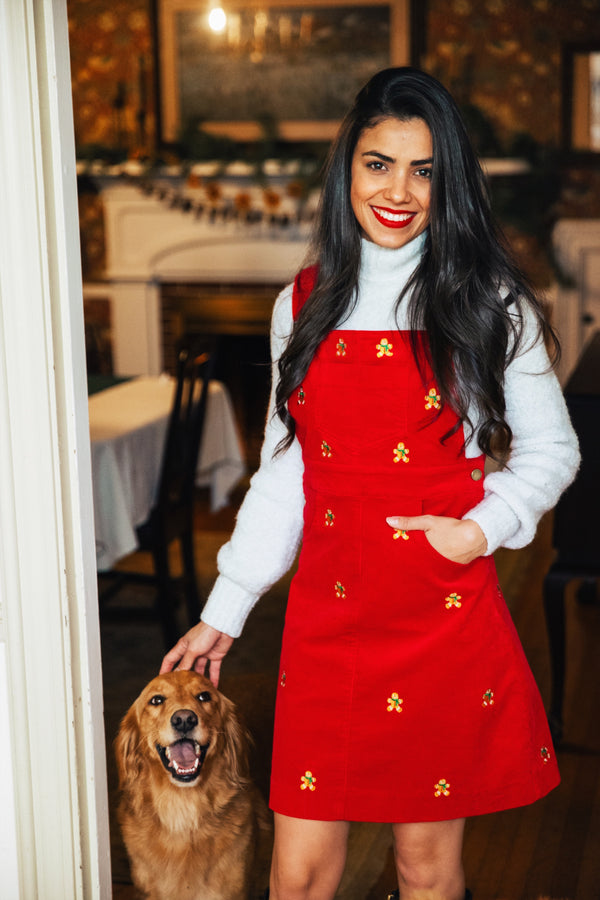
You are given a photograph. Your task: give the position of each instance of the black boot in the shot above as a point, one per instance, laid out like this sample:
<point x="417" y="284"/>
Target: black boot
<point x="395" y="895"/>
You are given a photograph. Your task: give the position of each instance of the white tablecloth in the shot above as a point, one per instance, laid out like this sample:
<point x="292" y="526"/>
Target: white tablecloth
<point x="128" y="424"/>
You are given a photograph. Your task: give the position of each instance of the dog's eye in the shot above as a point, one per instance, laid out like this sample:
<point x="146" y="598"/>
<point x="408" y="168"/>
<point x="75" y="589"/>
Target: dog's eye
<point x="204" y="697"/>
<point x="157" y="700"/>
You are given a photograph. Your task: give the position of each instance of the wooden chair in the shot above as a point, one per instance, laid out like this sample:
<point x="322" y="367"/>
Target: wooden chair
<point x="172" y="516"/>
<point x="576" y="537"/>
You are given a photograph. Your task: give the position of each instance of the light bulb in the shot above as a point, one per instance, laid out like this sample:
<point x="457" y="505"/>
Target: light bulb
<point x="217" y="19"/>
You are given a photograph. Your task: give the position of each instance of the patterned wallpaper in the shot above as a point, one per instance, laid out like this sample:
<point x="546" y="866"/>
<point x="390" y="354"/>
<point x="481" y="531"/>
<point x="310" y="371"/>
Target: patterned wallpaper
<point x="504" y="56"/>
<point x="500" y="57"/>
<point x="111" y="69"/>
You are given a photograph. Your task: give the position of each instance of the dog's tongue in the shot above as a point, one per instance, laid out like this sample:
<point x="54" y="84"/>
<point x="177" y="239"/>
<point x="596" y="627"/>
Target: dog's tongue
<point x="183" y="753"/>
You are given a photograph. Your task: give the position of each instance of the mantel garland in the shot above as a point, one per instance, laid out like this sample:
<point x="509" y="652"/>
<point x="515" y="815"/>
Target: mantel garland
<point x="279" y="201"/>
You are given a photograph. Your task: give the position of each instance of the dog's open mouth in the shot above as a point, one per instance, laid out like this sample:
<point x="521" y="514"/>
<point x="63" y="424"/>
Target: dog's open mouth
<point x="183" y="759"/>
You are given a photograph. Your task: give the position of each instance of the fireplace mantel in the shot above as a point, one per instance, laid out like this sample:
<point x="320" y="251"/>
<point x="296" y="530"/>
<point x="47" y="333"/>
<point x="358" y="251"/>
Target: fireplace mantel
<point x="149" y="243"/>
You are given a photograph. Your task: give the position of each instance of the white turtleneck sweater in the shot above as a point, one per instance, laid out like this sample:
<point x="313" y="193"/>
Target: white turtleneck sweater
<point x="543" y="460"/>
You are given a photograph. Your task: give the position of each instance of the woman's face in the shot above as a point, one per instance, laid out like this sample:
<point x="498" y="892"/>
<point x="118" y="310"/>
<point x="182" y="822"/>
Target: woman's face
<point x="391" y="181"/>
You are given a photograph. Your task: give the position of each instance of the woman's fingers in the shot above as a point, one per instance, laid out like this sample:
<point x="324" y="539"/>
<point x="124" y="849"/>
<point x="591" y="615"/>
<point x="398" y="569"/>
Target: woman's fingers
<point x="410" y="523"/>
<point x="214" y="671"/>
<point x="200" y="644"/>
<point x="174" y="655"/>
<point x="460" y="540"/>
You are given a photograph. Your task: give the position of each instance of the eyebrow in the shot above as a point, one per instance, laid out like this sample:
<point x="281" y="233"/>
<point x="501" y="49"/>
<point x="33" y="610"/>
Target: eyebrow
<point x="390" y="159"/>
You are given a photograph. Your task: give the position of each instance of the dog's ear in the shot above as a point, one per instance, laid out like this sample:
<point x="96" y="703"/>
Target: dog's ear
<point x="127" y="749"/>
<point x="236" y="743"/>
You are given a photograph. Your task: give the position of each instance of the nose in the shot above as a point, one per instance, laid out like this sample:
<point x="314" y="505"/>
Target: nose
<point x="397" y="190"/>
<point x="183" y="720"/>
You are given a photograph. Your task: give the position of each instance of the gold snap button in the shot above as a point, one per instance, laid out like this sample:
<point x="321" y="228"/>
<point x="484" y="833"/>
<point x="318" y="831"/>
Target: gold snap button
<point x="476" y="474"/>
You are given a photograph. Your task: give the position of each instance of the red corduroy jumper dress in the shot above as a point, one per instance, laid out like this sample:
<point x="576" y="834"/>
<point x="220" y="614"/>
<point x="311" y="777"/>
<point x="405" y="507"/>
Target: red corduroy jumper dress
<point x="404" y="693"/>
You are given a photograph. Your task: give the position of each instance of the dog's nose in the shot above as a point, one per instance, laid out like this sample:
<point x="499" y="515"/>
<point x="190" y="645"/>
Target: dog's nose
<point x="183" y="720"/>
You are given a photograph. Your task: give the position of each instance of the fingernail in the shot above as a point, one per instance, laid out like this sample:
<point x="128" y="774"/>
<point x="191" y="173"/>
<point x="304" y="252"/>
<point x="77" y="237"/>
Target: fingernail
<point x="392" y="520"/>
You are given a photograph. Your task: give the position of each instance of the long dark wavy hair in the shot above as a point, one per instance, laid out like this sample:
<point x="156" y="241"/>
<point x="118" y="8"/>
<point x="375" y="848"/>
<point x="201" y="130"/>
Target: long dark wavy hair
<point x="466" y="292"/>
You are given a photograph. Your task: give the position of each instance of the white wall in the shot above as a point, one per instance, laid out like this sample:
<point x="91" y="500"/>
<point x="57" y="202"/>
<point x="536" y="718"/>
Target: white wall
<point x="54" y="822"/>
<point x="9" y="857"/>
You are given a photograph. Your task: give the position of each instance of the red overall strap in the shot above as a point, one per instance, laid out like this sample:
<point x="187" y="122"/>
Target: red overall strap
<point x="304" y="282"/>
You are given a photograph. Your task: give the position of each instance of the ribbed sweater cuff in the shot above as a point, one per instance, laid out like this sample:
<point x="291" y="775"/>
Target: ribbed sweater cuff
<point x="228" y="606"/>
<point x="497" y="521"/>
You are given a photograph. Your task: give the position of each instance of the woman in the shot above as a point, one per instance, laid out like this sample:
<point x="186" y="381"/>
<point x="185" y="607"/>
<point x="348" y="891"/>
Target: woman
<point x="409" y="351"/>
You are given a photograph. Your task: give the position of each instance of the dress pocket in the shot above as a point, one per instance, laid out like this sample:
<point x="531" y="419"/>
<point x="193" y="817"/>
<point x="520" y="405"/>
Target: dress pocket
<point x="426" y="547"/>
<point x="440" y="556"/>
<point x="453" y="505"/>
<point x="413" y="507"/>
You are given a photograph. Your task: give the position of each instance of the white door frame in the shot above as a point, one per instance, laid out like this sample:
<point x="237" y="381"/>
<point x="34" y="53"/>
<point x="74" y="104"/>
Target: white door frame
<point x="54" y="840"/>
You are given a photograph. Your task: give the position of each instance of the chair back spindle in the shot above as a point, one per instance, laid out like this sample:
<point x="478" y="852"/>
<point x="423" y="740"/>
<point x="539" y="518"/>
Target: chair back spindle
<point x="172" y="516"/>
<point x="184" y="433"/>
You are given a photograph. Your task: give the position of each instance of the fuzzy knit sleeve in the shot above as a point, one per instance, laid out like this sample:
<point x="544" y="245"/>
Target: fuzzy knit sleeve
<point x="268" y="528"/>
<point x="544" y="455"/>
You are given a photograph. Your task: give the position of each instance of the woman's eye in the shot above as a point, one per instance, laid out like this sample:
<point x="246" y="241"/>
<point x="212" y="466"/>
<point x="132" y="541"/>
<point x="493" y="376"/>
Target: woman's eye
<point x="204" y="697"/>
<point x="375" y="165"/>
<point x="157" y="700"/>
<point x="424" y="173"/>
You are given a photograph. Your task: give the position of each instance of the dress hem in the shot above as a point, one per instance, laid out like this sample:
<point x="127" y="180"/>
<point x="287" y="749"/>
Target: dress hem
<point x="447" y="810"/>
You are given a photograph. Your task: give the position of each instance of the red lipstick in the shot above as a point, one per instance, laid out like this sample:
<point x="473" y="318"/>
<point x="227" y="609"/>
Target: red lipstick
<point x="393" y="218"/>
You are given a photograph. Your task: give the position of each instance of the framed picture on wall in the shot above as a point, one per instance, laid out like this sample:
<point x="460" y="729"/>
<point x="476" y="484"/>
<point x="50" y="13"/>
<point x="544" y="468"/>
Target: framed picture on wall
<point x="581" y="101"/>
<point x="233" y="65"/>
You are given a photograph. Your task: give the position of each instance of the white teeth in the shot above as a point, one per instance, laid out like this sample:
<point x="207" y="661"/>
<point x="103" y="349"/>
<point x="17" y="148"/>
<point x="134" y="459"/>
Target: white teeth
<point x="188" y="770"/>
<point x="393" y="217"/>
<point x="184" y="770"/>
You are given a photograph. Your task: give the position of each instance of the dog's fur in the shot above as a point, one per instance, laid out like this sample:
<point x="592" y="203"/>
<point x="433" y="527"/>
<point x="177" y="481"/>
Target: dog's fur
<point x="189" y="814"/>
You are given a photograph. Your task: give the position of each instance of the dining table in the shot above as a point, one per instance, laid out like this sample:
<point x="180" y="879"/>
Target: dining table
<point x="128" y="424"/>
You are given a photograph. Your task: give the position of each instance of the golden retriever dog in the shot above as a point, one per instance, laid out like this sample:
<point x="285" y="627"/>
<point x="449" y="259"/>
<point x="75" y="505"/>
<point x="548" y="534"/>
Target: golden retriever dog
<point x="189" y="814"/>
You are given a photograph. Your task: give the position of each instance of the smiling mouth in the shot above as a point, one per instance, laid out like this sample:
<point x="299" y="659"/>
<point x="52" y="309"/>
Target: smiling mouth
<point x="391" y="218"/>
<point x="183" y="759"/>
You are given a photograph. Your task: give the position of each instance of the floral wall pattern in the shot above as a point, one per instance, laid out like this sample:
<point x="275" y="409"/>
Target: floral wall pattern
<point x="504" y="56"/>
<point x="501" y="55"/>
<point x="501" y="59"/>
<point x="111" y="68"/>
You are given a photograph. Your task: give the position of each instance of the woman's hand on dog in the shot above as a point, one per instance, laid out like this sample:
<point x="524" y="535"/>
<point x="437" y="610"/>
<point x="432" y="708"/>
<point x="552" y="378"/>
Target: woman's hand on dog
<point x="460" y="540"/>
<point x="200" y="647"/>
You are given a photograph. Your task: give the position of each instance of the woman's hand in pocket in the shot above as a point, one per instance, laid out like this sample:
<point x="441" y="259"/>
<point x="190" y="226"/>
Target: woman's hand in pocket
<point x="459" y="540"/>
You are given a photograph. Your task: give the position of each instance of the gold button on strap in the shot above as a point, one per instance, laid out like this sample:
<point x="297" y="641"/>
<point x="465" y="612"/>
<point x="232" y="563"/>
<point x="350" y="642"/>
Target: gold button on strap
<point x="476" y="474"/>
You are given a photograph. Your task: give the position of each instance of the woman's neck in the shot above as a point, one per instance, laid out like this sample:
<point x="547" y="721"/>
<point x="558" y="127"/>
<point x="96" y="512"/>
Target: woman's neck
<point x="382" y="263"/>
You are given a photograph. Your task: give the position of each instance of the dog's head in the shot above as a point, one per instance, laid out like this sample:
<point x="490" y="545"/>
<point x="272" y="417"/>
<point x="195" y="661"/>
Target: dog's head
<point x="181" y="724"/>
